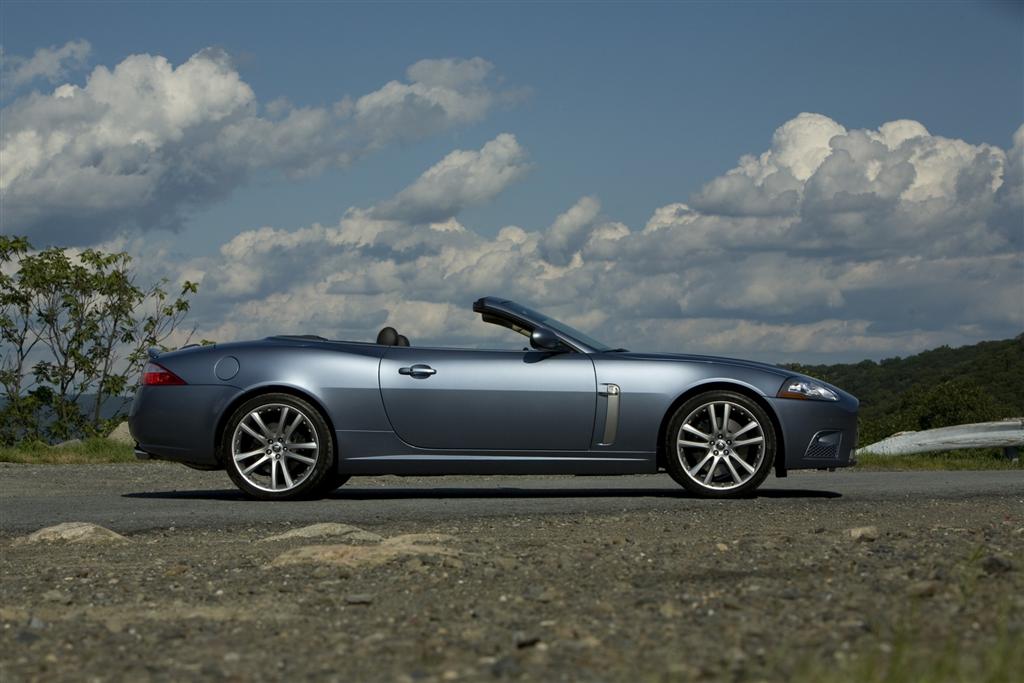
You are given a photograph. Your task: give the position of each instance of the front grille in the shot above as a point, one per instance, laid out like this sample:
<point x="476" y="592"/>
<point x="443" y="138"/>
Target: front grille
<point x="824" y="446"/>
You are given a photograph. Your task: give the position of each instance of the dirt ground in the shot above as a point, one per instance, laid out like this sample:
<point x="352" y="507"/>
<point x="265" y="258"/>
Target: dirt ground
<point x="732" y="590"/>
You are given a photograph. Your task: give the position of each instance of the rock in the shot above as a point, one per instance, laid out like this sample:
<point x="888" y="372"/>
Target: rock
<point x="57" y="596"/>
<point x="854" y="624"/>
<point x="346" y="531"/>
<point x="721" y="547"/>
<point x="359" y="599"/>
<point x="864" y="533"/>
<point x="121" y="434"/>
<point x="924" y="589"/>
<point x="73" y="532"/>
<point x="27" y="637"/>
<point x="507" y="667"/>
<point x="396" y="547"/>
<point x="670" y="610"/>
<point x="994" y="564"/>
<point x="35" y="623"/>
<point x="416" y="565"/>
<point x="70" y="443"/>
<point x="452" y="563"/>
<point x="525" y="640"/>
<point x="545" y="595"/>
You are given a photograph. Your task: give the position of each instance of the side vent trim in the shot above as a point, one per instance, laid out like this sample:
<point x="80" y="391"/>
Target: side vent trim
<point x="611" y="418"/>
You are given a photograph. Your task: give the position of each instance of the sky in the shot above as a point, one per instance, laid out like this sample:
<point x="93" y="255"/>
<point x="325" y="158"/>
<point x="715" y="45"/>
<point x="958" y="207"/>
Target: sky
<point x="781" y="181"/>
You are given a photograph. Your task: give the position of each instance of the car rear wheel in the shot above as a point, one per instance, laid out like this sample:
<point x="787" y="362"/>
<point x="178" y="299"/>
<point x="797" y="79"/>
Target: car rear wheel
<point x="278" y="447"/>
<point x="720" y="444"/>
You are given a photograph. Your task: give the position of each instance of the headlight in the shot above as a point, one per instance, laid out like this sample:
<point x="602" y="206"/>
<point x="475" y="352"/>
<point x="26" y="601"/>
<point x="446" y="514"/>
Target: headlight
<point x="804" y="388"/>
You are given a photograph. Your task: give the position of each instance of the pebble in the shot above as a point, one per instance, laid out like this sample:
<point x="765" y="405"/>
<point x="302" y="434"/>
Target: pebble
<point x="524" y="640"/>
<point x="994" y="564"/>
<point x="359" y="599"/>
<point x="924" y="589"/>
<point x="506" y="667"/>
<point x="542" y="595"/>
<point x="57" y="596"/>
<point x="863" y="533"/>
<point x="670" y="610"/>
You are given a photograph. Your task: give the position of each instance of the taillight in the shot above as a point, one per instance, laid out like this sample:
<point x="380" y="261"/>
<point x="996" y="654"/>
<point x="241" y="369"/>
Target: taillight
<point x="154" y="374"/>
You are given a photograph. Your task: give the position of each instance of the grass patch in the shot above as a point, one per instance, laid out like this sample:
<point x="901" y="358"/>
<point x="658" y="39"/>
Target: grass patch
<point x="912" y="656"/>
<point x="89" y="451"/>
<point x="974" y="459"/>
<point x="915" y="662"/>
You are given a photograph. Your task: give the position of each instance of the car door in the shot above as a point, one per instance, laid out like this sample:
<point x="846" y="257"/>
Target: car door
<point x="489" y="400"/>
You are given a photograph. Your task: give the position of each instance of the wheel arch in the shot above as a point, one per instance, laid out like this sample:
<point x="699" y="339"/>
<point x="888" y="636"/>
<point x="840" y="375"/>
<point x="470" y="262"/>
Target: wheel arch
<point x="723" y="385"/>
<point x="253" y="392"/>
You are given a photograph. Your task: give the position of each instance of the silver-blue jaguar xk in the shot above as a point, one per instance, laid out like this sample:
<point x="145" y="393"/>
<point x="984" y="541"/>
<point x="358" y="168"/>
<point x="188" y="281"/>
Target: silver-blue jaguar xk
<point x="296" y="416"/>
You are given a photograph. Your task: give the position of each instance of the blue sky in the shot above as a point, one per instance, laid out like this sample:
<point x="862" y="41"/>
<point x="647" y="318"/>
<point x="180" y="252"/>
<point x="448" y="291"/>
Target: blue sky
<point x="636" y="104"/>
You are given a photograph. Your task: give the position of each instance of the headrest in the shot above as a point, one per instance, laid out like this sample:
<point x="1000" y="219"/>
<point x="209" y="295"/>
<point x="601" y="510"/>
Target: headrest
<point x="388" y="336"/>
<point x="402" y="340"/>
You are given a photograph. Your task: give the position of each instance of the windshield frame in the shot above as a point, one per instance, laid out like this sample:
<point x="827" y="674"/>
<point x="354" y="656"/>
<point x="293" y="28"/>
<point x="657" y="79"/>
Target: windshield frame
<point x="576" y="339"/>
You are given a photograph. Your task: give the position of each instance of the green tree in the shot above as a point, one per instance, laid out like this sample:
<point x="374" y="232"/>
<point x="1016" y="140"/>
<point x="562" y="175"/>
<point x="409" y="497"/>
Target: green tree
<point x="949" y="403"/>
<point x="74" y="325"/>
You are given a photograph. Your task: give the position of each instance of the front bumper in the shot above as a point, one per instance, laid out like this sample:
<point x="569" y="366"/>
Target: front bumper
<point x="817" y="434"/>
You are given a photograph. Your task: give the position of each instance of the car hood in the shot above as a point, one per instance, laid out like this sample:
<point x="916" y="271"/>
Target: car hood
<point x="694" y="358"/>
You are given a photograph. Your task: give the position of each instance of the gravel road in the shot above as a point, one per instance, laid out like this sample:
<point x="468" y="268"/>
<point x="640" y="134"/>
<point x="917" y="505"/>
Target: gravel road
<point x="529" y="578"/>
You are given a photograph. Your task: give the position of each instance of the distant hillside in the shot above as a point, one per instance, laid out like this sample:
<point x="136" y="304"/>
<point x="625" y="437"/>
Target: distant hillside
<point x="934" y="388"/>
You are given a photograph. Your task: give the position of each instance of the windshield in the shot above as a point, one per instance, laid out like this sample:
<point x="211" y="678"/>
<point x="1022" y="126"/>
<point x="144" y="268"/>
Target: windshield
<point x="558" y="326"/>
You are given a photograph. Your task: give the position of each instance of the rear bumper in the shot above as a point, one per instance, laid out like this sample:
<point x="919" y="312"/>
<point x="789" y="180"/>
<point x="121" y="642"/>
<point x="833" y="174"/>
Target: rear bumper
<point x="178" y="423"/>
<point x="817" y="434"/>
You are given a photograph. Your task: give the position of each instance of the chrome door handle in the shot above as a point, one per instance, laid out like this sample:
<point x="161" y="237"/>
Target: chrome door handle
<point x="418" y="370"/>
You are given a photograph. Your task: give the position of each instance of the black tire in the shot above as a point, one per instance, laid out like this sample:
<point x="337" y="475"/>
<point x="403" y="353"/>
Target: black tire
<point x="715" y="470"/>
<point x="310" y="480"/>
<point x="333" y="482"/>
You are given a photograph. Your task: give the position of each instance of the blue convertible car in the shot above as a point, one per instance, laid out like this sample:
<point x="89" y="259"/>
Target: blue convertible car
<point x="296" y="416"/>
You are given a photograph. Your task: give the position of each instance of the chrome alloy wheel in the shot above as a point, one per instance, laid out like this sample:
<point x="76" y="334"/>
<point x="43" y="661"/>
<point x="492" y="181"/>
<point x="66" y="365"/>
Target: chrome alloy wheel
<point x="275" y="447"/>
<point x="720" y="445"/>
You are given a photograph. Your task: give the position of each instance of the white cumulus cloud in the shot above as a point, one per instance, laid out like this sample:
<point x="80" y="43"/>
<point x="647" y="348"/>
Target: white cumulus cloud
<point x="138" y="146"/>
<point x="49" y="63"/>
<point x="871" y="243"/>
<point x="463" y="177"/>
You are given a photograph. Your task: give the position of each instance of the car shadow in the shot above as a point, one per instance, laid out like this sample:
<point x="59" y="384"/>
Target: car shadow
<point x="417" y="493"/>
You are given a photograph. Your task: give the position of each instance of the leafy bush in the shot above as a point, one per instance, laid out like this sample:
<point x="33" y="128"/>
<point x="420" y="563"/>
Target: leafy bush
<point x="75" y="329"/>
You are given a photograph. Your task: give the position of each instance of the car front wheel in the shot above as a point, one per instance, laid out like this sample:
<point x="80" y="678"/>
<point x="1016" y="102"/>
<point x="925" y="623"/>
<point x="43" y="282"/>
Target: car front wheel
<point x="720" y="444"/>
<point x="278" y="447"/>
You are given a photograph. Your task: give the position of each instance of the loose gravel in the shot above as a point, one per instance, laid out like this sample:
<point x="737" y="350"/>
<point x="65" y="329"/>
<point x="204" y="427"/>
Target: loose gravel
<point x="731" y="590"/>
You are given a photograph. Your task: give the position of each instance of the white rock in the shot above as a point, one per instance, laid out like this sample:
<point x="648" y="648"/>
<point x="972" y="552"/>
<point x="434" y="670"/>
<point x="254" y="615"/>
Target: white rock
<point x="73" y="532"/>
<point x="346" y="531"/>
<point x="396" y="547"/>
<point x="864" y="533"/>
<point x="121" y="434"/>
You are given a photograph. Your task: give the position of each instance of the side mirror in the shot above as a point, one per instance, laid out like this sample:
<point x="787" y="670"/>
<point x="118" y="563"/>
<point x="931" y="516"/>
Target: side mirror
<point x="545" y="340"/>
